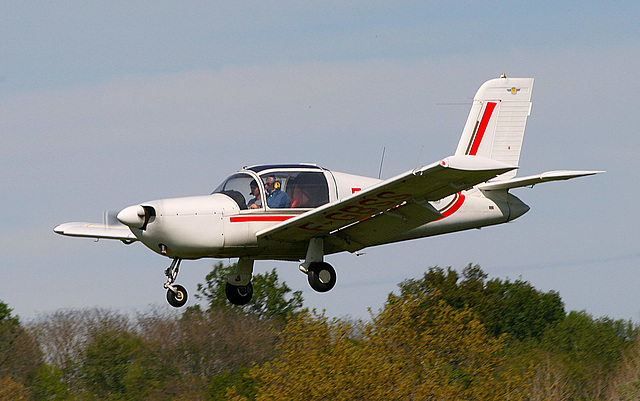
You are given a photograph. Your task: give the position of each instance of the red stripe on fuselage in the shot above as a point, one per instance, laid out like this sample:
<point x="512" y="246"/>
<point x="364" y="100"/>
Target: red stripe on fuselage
<point x="488" y="111"/>
<point x="454" y="208"/>
<point x="253" y="219"/>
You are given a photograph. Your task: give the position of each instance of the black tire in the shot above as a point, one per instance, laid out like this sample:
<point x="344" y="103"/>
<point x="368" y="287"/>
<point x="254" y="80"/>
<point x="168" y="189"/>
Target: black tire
<point x="239" y="294"/>
<point x="322" y="276"/>
<point x="178" y="299"/>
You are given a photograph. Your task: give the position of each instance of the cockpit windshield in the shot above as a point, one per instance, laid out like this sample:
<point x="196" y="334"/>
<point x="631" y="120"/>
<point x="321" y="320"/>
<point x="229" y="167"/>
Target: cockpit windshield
<point x="238" y="187"/>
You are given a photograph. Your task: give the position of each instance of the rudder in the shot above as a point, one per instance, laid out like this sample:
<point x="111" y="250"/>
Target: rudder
<point x="497" y="120"/>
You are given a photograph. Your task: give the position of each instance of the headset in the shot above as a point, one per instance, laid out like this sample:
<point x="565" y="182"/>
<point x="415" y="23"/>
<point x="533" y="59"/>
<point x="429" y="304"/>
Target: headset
<point x="276" y="183"/>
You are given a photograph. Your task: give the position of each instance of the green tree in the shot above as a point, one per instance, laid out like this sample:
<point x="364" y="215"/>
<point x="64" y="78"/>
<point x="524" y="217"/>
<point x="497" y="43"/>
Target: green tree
<point x="49" y="384"/>
<point x="63" y="336"/>
<point x="197" y="350"/>
<point x="515" y="308"/>
<point x="20" y="356"/>
<point x="588" y="350"/>
<point x="5" y="316"/>
<point x="117" y="364"/>
<point x="271" y="298"/>
<point x="625" y="384"/>
<point x="240" y="380"/>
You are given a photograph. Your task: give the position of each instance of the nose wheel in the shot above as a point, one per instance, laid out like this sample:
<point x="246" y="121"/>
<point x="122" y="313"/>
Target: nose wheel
<point x="178" y="298"/>
<point x="176" y="294"/>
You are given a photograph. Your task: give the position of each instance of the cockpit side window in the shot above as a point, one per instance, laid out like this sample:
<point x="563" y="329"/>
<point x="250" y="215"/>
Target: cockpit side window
<point x="298" y="189"/>
<point x="308" y="190"/>
<point x="275" y="186"/>
<point x="238" y="187"/>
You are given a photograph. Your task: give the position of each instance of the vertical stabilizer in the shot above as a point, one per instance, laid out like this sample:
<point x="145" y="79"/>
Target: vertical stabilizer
<point x="496" y="123"/>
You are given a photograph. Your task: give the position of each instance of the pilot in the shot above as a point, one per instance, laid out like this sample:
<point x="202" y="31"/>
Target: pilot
<point x="276" y="198"/>
<point x="256" y="202"/>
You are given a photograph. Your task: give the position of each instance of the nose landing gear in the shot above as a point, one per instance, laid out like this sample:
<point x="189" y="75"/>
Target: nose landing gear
<point x="176" y="294"/>
<point x="178" y="298"/>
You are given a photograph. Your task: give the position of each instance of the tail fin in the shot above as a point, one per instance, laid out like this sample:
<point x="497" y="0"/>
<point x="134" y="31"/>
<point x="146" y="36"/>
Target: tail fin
<point x="496" y="123"/>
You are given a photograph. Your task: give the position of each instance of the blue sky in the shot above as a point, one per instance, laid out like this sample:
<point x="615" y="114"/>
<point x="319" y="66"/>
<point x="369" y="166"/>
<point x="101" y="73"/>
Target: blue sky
<point x="104" y="105"/>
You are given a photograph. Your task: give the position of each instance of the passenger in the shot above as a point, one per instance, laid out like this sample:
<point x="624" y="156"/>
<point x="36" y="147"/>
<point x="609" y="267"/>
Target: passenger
<point x="276" y="198"/>
<point x="256" y="202"/>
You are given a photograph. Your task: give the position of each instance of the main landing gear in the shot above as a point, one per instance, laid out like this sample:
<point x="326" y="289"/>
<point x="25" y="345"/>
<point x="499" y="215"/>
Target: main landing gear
<point x="238" y="288"/>
<point x="176" y="294"/>
<point x="321" y="275"/>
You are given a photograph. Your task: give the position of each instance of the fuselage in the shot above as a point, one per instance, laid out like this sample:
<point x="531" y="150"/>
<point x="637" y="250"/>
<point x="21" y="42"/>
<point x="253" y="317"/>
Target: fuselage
<point x="224" y="224"/>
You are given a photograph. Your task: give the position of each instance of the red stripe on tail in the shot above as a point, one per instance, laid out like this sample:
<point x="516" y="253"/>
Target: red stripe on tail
<point x="488" y="111"/>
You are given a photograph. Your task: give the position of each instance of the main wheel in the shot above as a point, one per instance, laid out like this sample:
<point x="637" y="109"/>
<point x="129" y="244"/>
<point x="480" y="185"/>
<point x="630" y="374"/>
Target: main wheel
<point x="178" y="298"/>
<point x="239" y="294"/>
<point x="322" y="276"/>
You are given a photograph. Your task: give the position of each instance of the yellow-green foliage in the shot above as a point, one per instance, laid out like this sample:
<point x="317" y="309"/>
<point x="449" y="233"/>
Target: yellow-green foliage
<point x="406" y="352"/>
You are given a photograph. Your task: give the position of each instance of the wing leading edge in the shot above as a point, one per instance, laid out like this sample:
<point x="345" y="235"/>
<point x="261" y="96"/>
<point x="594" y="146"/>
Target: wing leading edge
<point x="96" y="230"/>
<point x="392" y="206"/>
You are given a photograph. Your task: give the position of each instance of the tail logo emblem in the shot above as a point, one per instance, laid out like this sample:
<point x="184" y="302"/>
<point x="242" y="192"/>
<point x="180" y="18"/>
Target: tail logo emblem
<point x="513" y="90"/>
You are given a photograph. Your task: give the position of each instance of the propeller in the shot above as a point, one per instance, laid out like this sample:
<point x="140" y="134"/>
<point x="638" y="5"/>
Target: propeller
<point x="110" y="219"/>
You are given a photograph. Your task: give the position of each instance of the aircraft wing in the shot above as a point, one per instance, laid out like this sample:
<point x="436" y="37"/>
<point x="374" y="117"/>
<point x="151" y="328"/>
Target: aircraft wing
<point x="532" y="180"/>
<point x="387" y="208"/>
<point x="96" y="230"/>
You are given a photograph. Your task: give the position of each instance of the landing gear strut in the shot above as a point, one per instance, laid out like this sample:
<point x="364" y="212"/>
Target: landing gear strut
<point x="176" y="294"/>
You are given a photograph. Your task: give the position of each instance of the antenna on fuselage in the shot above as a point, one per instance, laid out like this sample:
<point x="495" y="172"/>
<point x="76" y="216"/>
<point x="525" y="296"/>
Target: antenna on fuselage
<point x="419" y="156"/>
<point x="381" y="161"/>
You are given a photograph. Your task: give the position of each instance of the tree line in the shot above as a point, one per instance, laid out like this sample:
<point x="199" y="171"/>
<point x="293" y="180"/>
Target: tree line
<point x="446" y="335"/>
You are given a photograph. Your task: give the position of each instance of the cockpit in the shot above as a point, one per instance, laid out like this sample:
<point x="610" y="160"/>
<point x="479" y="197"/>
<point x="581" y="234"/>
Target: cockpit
<point x="267" y="187"/>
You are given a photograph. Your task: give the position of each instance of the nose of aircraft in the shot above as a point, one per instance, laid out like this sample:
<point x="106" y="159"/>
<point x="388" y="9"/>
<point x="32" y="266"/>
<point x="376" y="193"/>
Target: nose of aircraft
<point x="132" y="216"/>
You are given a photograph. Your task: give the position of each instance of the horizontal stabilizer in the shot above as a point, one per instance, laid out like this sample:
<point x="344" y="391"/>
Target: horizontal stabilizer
<point x="96" y="230"/>
<point x="558" y="175"/>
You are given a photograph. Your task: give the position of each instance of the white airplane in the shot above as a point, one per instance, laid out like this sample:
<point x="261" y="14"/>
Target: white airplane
<point x="302" y="212"/>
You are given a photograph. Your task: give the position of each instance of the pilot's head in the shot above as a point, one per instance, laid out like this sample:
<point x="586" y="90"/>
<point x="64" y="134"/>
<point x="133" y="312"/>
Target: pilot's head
<point x="271" y="184"/>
